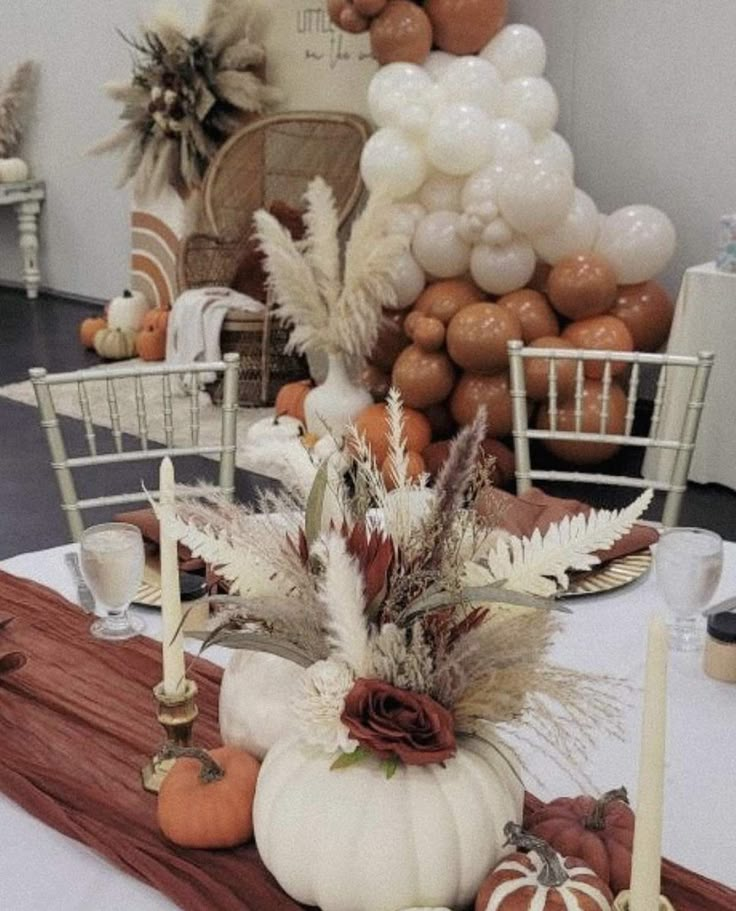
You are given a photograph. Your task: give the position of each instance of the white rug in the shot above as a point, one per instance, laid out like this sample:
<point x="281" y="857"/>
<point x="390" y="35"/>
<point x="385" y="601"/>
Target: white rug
<point x="66" y="400"/>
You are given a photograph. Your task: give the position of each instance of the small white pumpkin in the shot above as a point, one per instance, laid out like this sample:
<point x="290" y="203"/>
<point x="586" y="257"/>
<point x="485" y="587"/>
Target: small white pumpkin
<point x="256" y="695"/>
<point x="353" y="840"/>
<point x="128" y="310"/>
<point x="13" y="170"/>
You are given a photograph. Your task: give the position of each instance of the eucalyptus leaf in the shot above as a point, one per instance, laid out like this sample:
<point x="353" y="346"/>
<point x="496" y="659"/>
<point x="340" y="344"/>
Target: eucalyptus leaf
<point x="432" y="601"/>
<point x="345" y="760"/>
<point x="254" y="642"/>
<point x="315" y="505"/>
<point x="390" y="766"/>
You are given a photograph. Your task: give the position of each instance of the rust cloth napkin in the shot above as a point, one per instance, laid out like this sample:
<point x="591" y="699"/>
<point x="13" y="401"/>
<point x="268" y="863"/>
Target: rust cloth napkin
<point x="522" y="514"/>
<point x="77" y="724"/>
<point x="146" y="520"/>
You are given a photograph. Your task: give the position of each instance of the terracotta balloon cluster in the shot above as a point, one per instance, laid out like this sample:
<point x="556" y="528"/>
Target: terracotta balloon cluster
<point x="447" y="353"/>
<point x="402" y="30"/>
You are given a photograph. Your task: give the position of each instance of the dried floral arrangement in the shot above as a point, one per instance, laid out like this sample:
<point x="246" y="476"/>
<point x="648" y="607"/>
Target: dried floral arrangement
<point x="14" y="98"/>
<point x="187" y="94"/>
<point x="331" y="306"/>
<point x="418" y="622"/>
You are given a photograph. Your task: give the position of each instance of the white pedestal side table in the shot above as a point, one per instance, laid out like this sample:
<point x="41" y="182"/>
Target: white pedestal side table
<point x="26" y="196"/>
<point x="705" y="320"/>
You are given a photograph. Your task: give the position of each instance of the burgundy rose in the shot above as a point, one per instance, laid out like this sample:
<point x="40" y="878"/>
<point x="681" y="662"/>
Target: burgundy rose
<point x="393" y="722"/>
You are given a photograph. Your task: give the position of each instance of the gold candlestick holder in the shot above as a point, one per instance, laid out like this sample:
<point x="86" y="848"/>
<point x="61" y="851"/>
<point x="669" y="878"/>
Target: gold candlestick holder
<point x="622" y="903"/>
<point x="176" y="715"/>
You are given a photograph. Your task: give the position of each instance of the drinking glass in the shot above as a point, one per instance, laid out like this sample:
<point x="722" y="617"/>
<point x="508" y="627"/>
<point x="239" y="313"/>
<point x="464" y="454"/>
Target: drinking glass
<point x="112" y="559"/>
<point x="688" y="563"/>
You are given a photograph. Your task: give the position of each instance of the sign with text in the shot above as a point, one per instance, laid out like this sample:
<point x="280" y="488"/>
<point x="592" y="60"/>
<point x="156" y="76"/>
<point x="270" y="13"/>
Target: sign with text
<point x="317" y="65"/>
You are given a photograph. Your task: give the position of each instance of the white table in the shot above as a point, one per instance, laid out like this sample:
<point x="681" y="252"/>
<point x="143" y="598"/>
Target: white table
<point x="39" y="868"/>
<point x="26" y="196"/>
<point x="704" y="320"/>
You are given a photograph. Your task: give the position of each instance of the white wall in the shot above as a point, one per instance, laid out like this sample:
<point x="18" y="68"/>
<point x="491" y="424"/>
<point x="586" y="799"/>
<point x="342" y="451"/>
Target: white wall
<point x="646" y="103"/>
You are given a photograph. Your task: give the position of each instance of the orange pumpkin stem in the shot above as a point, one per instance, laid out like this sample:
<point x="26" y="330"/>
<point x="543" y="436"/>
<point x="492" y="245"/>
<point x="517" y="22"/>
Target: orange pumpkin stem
<point x="210" y="770"/>
<point x="553" y="871"/>
<point x="597" y="819"/>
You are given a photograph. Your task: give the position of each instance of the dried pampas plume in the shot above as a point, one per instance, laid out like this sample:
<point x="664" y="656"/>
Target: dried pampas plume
<point x="14" y="100"/>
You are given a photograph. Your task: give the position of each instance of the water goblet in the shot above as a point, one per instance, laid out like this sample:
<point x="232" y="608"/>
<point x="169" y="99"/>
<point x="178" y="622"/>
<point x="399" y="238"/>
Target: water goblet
<point x="688" y="563"/>
<point x="112" y="559"/>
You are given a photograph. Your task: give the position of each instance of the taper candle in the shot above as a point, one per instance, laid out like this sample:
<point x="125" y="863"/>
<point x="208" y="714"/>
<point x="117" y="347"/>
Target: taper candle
<point x="173" y="641"/>
<point x="646" y="864"/>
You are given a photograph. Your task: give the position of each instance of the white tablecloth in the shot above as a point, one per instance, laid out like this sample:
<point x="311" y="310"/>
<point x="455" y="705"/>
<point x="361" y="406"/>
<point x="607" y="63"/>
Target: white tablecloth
<point x="39" y="868"/>
<point x="705" y="320"/>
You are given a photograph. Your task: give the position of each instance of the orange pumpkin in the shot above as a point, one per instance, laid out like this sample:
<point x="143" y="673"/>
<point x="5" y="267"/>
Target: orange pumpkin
<point x="206" y="799"/>
<point x="414" y="468"/>
<point x="541" y="880"/>
<point x="372" y="424"/>
<point x="290" y="399"/>
<point x="89" y="327"/>
<point x="600" y="832"/>
<point x="151" y="344"/>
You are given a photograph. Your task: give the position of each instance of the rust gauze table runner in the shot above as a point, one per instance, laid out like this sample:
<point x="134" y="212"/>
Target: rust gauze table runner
<point x="78" y="722"/>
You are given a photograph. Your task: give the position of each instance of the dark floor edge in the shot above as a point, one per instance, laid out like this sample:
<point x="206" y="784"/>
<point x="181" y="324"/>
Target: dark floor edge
<point x="61" y="295"/>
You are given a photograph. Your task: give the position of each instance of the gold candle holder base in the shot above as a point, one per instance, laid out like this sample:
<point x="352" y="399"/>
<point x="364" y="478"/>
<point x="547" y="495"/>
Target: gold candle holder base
<point x="176" y="715"/>
<point x="622" y="903"/>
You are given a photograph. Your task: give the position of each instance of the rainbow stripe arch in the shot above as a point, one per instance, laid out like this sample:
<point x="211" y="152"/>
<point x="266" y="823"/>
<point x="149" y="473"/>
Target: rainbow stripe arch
<point x="155" y="247"/>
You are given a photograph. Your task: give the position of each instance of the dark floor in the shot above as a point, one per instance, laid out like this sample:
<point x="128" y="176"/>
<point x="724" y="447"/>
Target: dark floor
<point x="44" y="333"/>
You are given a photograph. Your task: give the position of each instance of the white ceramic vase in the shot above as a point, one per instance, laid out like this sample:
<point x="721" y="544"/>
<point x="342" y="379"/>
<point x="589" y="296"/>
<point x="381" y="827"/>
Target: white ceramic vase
<point x="333" y="404"/>
<point x="352" y="840"/>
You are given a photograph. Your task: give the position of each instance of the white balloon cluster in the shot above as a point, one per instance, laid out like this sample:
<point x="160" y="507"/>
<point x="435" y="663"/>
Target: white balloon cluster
<point x="466" y="145"/>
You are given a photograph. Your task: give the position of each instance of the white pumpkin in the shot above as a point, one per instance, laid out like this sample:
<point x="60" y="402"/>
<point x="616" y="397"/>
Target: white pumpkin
<point x="256" y="694"/>
<point x="354" y="840"/>
<point x="13" y="170"/>
<point x="128" y="310"/>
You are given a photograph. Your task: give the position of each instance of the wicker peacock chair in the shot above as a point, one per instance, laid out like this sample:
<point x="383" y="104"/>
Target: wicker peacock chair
<point x="267" y="164"/>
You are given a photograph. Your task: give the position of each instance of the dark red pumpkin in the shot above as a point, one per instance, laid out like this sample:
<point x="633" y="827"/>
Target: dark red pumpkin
<point x="600" y="832"/>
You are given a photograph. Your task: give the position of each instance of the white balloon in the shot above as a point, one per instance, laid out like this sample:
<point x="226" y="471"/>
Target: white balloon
<point x="534" y="199"/>
<point x="502" y="269"/>
<point x="511" y="140"/>
<point x="441" y="192"/>
<point x="472" y="80"/>
<point x="403" y="217"/>
<point x="532" y="101"/>
<point x="438" y="247"/>
<point x="482" y="188"/>
<point x="497" y="233"/>
<point x="555" y="152"/>
<point x="638" y="241"/>
<point x="392" y="160"/>
<point x="399" y="95"/>
<point x="409" y="281"/>
<point x="471" y="227"/>
<point x="517" y="50"/>
<point x="576" y="234"/>
<point x="459" y="140"/>
<point x="437" y="62"/>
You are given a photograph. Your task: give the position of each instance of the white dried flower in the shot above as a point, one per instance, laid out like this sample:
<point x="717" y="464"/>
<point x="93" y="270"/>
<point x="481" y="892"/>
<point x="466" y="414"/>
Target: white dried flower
<point x="321" y="703"/>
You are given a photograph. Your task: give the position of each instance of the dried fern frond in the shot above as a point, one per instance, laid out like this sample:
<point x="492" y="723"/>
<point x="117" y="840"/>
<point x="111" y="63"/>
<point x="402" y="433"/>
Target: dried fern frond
<point x="540" y="564"/>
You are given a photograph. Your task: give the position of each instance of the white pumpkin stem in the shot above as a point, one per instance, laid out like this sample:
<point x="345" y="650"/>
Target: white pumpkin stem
<point x="553" y="872"/>
<point x="210" y="770"/>
<point x="597" y="819"/>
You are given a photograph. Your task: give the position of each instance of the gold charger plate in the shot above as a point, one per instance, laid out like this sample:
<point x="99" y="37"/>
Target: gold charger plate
<point x="615" y="574"/>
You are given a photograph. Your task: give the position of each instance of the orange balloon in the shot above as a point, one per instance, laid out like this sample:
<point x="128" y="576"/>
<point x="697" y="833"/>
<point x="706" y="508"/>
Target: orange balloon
<point x="428" y="332"/>
<point x="502" y="469"/>
<point x="443" y="299"/>
<point x="474" y="390"/>
<point x="401" y="32"/>
<point x="477" y="337"/>
<point x="582" y="285"/>
<point x="423" y="377"/>
<point x="465" y="26"/>
<point x="376" y="381"/>
<point x="584" y="453"/>
<point x="372" y="423"/>
<point x="391" y="340"/>
<point x="536" y="370"/>
<point x="600" y="333"/>
<point x="441" y="421"/>
<point x="435" y="456"/>
<point x="415" y="467"/>
<point x="536" y="316"/>
<point x="647" y="310"/>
